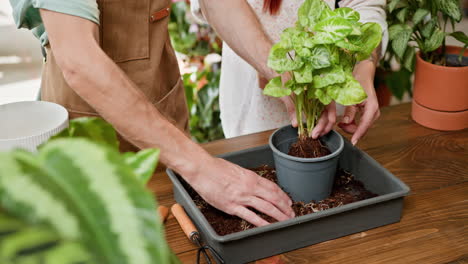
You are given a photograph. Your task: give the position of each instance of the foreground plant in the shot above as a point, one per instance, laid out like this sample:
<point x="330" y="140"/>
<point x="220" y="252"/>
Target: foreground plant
<point x="320" y="53"/>
<point x="85" y="191"/>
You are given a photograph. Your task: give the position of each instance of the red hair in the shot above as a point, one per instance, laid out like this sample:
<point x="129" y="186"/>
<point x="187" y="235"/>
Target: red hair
<point x="271" y="6"/>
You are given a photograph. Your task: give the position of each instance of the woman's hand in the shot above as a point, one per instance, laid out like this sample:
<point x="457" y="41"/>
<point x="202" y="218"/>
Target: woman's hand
<point x="369" y="109"/>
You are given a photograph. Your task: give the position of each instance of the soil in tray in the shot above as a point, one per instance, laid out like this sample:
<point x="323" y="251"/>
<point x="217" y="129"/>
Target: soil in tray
<point x="307" y="147"/>
<point x="346" y="190"/>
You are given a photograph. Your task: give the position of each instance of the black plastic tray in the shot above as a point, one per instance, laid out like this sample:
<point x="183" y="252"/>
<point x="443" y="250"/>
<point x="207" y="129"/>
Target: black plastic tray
<point x="280" y="237"/>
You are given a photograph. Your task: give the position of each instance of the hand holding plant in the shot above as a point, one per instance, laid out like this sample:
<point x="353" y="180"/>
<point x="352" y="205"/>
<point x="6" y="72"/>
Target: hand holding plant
<point x="320" y="53"/>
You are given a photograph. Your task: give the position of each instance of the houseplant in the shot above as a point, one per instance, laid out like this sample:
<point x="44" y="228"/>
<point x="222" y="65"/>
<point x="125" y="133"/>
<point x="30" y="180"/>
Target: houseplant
<point x="196" y="45"/>
<point x="78" y="200"/>
<point x="440" y="94"/>
<point x="319" y="53"/>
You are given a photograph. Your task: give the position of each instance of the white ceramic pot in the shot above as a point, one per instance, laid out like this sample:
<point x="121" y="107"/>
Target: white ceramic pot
<point x="28" y="124"/>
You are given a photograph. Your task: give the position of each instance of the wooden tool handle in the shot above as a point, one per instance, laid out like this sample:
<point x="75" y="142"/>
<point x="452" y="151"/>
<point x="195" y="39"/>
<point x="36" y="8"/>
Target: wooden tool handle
<point x="184" y="221"/>
<point x="163" y="212"/>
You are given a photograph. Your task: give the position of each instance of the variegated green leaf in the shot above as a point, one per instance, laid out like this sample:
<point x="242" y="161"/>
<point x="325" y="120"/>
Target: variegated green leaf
<point x="280" y="61"/>
<point x="349" y="93"/>
<point x="451" y="8"/>
<point x="322" y="95"/>
<point x="370" y="39"/>
<point x="143" y="163"/>
<point x="409" y="58"/>
<point x="304" y="74"/>
<point x="85" y="191"/>
<point x="347" y="13"/>
<point x="320" y="58"/>
<point x="93" y="128"/>
<point x="428" y="28"/>
<point x="400" y="35"/>
<point x="275" y="88"/>
<point x="435" y="41"/>
<point x="328" y="76"/>
<point x="460" y="36"/>
<point x="402" y="14"/>
<point x="419" y="15"/>
<point x="310" y="11"/>
<point x="334" y="28"/>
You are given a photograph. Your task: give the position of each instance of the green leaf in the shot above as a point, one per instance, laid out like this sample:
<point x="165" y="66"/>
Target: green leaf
<point x="435" y="41"/>
<point x="369" y="40"/>
<point x="409" y="58"/>
<point x="322" y="95"/>
<point x="328" y="76"/>
<point x="275" y="88"/>
<point x="27" y="238"/>
<point x="460" y="36"/>
<point x="350" y="44"/>
<point x="143" y="163"/>
<point x="451" y="8"/>
<point x="93" y="128"/>
<point x="292" y="38"/>
<point x="395" y="4"/>
<point x="280" y="61"/>
<point x="428" y="28"/>
<point x="400" y="35"/>
<point x="310" y="11"/>
<point x="399" y="82"/>
<point x="334" y="28"/>
<point x="85" y="191"/>
<point x="304" y="74"/>
<point x="347" y="13"/>
<point x="402" y="14"/>
<point x="419" y="15"/>
<point x="320" y="58"/>
<point x="349" y="93"/>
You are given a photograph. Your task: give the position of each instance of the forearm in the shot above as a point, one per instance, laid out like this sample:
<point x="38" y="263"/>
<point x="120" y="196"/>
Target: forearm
<point x="245" y="35"/>
<point x="116" y="98"/>
<point x="364" y="71"/>
<point x="103" y="85"/>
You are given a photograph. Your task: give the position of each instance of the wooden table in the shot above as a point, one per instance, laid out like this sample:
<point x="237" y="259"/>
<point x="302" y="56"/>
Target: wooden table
<point x="434" y="226"/>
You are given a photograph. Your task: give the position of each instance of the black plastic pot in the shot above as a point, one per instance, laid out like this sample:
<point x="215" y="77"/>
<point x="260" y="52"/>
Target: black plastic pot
<point x="280" y="237"/>
<point x="305" y="179"/>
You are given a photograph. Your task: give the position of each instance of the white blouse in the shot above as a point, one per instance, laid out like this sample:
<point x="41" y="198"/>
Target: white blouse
<point x="244" y="109"/>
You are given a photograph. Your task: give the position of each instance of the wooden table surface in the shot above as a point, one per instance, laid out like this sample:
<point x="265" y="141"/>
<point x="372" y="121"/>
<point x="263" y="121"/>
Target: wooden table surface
<point x="434" y="225"/>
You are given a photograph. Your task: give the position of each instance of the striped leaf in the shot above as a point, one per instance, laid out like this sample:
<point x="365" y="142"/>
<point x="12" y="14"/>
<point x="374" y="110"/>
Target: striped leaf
<point x="22" y="243"/>
<point x="85" y="191"/>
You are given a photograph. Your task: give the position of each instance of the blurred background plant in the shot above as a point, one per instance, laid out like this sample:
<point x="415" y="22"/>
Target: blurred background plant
<point x="198" y="50"/>
<point x="424" y="23"/>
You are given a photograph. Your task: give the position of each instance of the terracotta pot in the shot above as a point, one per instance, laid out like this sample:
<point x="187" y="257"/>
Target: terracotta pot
<point x="440" y="98"/>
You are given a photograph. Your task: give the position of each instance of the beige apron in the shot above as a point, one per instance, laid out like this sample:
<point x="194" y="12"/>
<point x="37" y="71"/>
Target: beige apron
<point x="134" y="35"/>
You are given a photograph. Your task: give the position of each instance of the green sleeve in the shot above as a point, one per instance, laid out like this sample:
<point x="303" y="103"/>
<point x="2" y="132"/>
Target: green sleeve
<point x="26" y="13"/>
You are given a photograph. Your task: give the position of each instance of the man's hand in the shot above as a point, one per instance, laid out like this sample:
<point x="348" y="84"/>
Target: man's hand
<point x="369" y="109"/>
<point x="235" y="191"/>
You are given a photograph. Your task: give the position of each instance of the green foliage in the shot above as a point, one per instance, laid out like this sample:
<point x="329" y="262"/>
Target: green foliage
<point x="202" y="93"/>
<point x="320" y="53"/>
<point x="188" y="37"/>
<point x="196" y="41"/>
<point x="81" y="201"/>
<point x="93" y="128"/>
<point x="21" y="242"/>
<point x="99" y="131"/>
<point x="416" y="23"/>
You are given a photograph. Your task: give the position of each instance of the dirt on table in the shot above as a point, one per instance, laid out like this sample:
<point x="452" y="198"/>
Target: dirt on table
<point x="307" y="147"/>
<point x="346" y="189"/>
